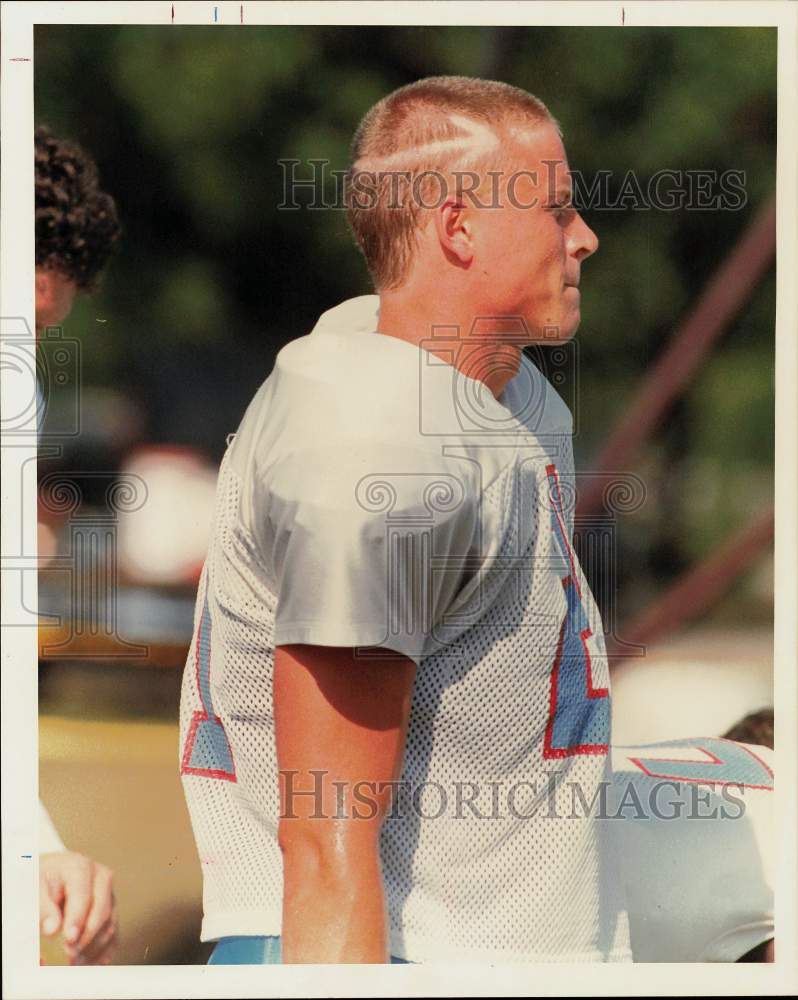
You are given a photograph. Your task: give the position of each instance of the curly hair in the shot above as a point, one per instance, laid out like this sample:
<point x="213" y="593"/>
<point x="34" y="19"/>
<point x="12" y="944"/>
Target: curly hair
<point x="76" y="222"/>
<point x="756" y="728"/>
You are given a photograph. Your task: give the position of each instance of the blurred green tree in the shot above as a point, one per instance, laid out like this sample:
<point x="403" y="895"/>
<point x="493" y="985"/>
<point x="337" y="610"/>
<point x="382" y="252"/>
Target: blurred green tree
<point x="188" y="125"/>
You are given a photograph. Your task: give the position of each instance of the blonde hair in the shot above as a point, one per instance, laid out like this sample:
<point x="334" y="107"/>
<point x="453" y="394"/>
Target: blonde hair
<point x="409" y="142"/>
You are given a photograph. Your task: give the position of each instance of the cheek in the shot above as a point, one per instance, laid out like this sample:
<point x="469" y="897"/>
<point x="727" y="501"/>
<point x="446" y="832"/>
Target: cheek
<point x="548" y="252"/>
<point x="64" y="304"/>
<point x="556" y="248"/>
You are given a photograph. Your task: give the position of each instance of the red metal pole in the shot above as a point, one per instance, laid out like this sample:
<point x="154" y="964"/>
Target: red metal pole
<point x="702" y="585"/>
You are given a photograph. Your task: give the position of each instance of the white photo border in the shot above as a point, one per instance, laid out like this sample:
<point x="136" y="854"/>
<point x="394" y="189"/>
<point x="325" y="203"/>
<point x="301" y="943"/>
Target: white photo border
<point x="23" y="976"/>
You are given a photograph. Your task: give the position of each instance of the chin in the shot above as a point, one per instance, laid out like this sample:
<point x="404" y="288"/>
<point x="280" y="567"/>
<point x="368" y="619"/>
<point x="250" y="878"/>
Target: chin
<point x="559" y="334"/>
<point x="570" y="324"/>
<point x="549" y="331"/>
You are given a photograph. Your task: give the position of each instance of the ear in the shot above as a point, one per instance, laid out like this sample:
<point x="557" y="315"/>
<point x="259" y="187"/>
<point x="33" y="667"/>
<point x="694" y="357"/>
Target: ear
<point x="44" y="284"/>
<point x="454" y="231"/>
<point x="45" y="294"/>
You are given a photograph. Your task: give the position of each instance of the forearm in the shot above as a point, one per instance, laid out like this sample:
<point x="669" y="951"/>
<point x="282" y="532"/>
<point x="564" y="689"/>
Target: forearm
<point x="340" y="722"/>
<point x="333" y="907"/>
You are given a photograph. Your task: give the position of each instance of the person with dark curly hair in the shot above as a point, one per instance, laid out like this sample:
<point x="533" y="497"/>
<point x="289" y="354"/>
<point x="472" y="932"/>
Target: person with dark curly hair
<point x="76" y="226"/>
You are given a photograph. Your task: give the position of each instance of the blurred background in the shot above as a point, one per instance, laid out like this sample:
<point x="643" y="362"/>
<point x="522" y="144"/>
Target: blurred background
<point x="187" y="126"/>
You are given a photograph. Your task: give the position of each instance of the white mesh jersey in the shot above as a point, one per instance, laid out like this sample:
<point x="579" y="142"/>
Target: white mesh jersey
<point x="373" y="496"/>
<point x="697" y="840"/>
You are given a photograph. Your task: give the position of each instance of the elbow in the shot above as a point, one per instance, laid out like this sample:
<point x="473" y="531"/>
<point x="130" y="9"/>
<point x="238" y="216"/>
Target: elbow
<point x="327" y="852"/>
<point x="301" y="846"/>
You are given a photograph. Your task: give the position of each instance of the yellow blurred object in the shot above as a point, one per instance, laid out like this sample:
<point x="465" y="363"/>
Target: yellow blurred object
<point x="62" y="642"/>
<point x="113" y="791"/>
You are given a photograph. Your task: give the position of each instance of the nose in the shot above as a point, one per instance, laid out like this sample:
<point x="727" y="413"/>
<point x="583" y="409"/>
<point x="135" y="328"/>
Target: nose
<point x="583" y="242"/>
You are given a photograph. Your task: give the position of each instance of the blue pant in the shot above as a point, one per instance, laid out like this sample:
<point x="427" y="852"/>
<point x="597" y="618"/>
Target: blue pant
<point x="256" y="951"/>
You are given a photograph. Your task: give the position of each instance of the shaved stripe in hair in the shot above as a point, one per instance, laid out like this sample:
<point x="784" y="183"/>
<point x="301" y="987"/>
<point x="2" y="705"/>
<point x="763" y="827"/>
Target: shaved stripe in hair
<point x="416" y="137"/>
<point x="476" y="138"/>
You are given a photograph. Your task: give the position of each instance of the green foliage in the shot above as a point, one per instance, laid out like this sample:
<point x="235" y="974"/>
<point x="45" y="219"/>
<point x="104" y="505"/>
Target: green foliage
<point x="188" y="125"/>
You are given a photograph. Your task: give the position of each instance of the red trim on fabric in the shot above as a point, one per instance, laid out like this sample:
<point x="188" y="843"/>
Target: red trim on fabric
<point x="204" y="716"/>
<point x="638" y="762"/>
<point x="551" y="470"/>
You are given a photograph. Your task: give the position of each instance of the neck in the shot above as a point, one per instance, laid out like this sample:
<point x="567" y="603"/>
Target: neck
<point x="454" y="331"/>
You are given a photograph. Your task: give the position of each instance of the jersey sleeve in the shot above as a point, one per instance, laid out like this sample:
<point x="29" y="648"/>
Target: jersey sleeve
<point x="366" y="547"/>
<point x="695" y="815"/>
<point x="49" y="841"/>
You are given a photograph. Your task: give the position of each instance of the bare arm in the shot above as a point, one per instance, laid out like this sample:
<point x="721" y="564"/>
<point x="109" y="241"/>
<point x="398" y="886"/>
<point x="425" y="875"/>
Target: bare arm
<point x="345" y="716"/>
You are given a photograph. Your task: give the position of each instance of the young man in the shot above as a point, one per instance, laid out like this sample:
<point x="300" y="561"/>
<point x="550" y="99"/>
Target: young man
<point x="76" y="228"/>
<point x="397" y="658"/>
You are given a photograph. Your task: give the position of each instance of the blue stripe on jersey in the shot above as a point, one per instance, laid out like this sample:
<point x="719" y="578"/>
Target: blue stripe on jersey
<point x="718" y="761"/>
<point x="210" y="752"/>
<point x="581" y="713"/>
